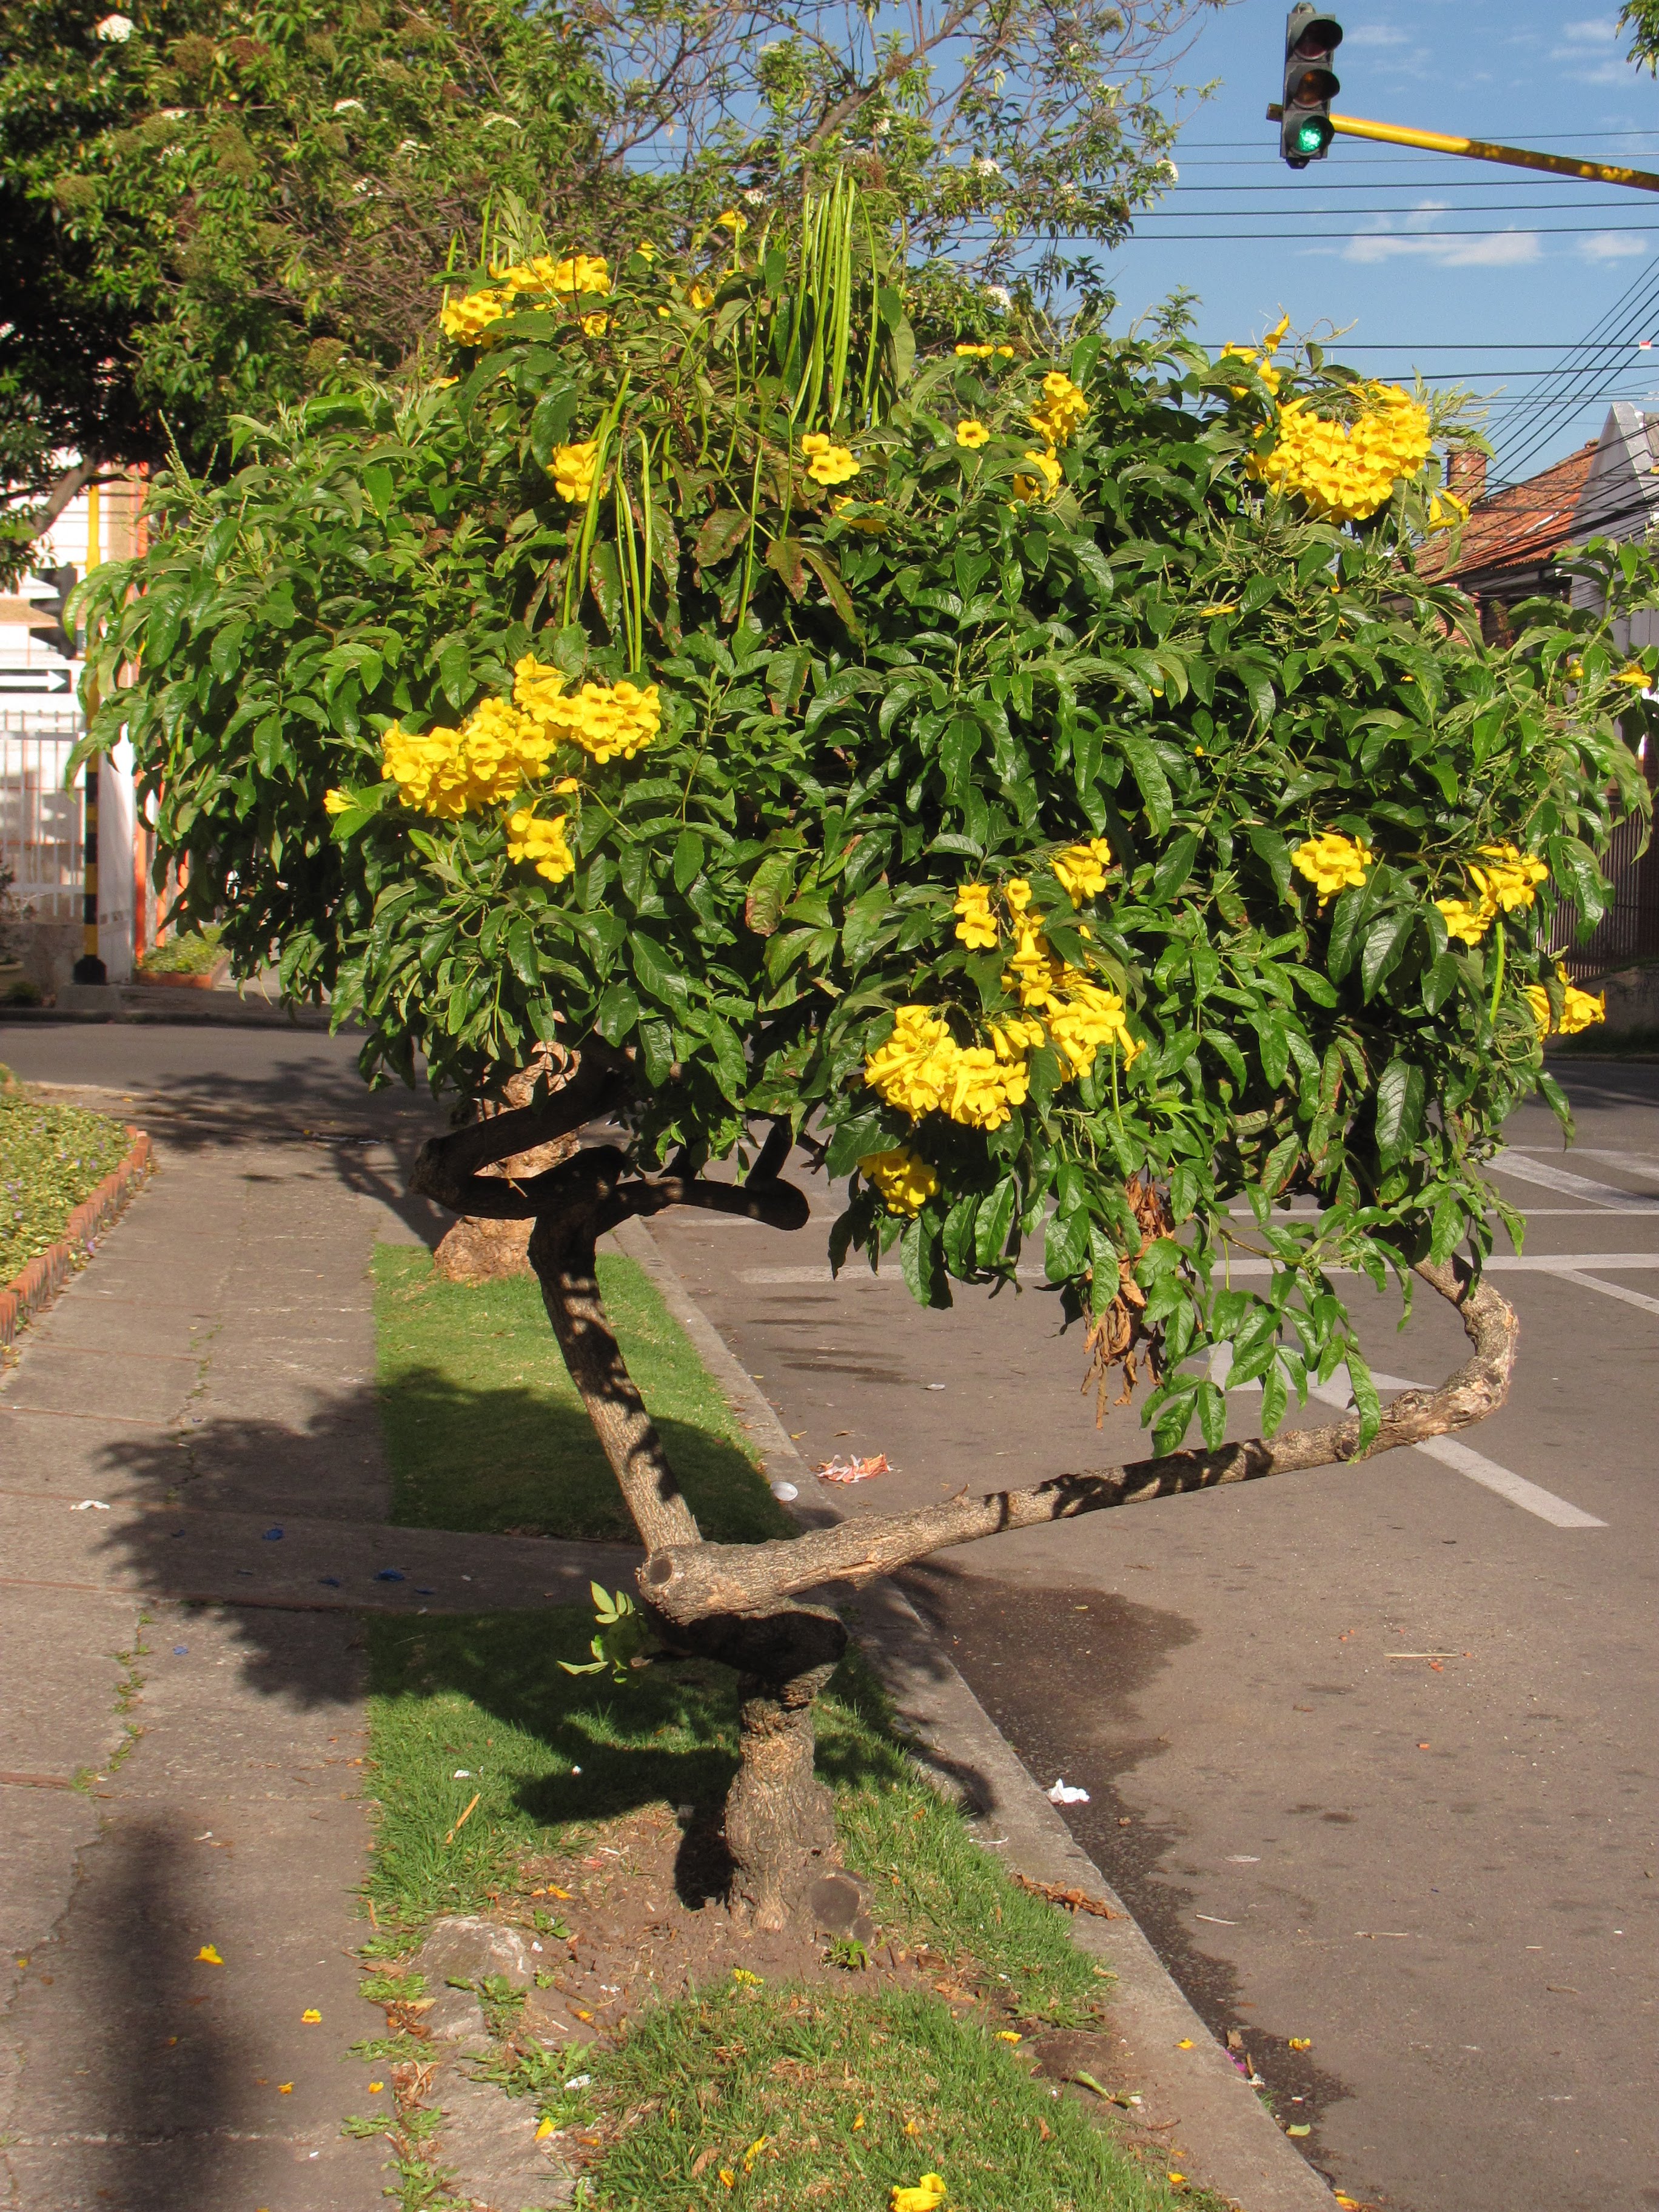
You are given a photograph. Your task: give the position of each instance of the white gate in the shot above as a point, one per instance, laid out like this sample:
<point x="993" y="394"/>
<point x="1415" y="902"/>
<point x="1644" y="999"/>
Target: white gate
<point x="41" y="835"/>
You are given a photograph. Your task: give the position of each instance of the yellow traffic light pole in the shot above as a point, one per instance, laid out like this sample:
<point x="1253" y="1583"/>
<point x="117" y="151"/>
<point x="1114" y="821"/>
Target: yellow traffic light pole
<point x="1484" y="149"/>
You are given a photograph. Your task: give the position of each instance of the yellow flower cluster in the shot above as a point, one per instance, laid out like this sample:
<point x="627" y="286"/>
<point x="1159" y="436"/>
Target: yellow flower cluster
<point x="1258" y="358"/>
<point x="922" y="1069"/>
<point x="1044" y="484"/>
<point x="1063" y="411"/>
<point x="541" y="844"/>
<point x="450" y="773"/>
<point x="976" y="925"/>
<point x="827" y="464"/>
<point x="467" y="320"/>
<point x="1079" y="1016"/>
<point x="504" y="745"/>
<point x="1579" y="1010"/>
<point x="1447" y="511"/>
<point x="966" y="352"/>
<point x="905" y="1181"/>
<point x="608" y="720"/>
<point x="1507" y="881"/>
<point x="1332" y="863"/>
<point x="582" y="272"/>
<point x="572" y="470"/>
<point x="1347" y="470"/>
<point x="1081" y="869"/>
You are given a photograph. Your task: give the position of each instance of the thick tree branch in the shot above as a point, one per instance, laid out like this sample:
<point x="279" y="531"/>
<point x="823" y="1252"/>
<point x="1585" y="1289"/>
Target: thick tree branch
<point x="689" y="1583"/>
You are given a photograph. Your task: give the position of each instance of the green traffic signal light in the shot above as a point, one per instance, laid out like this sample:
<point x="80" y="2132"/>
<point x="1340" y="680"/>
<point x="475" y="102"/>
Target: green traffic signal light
<point x="1312" y="38"/>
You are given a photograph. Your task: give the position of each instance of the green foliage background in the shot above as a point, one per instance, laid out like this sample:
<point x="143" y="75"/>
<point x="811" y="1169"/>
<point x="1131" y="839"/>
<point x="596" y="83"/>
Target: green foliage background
<point x="865" y="707"/>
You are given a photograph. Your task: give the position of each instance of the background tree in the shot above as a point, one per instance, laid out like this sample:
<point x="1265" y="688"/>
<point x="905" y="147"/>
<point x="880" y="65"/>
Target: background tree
<point x="207" y="208"/>
<point x="1642" y="17"/>
<point x="1036" y="784"/>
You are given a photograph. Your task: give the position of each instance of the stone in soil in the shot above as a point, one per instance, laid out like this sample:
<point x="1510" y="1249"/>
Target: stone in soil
<point x="488" y="2140"/>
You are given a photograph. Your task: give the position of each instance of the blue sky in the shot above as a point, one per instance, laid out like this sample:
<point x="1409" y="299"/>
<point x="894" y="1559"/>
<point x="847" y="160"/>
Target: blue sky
<point x="1557" y="257"/>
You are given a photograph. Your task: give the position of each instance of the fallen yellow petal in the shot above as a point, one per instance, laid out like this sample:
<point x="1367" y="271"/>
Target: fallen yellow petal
<point x="928" y="2193"/>
<point x="858" y="2123"/>
<point x="1176" y="2178"/>
<point x="210" y="1955"/>
<point x="545" y="2129"/>
<point x="1007" y="2035"/>
<point x="1185" y="2043"/>
<point x="728" y="2179"/>
<point x="310" y="2016"/>
<point x="748" y="1981"/>
<point x="375" y="2087"/>
<point x="1302" y="2042"/>
<point x="285" y="2088"/>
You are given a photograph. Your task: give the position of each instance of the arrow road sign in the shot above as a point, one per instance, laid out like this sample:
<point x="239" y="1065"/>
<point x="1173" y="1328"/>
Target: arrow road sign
<point x="37" y="679"/>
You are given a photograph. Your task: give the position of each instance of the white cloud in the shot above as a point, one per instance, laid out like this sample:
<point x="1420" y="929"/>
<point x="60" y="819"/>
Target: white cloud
<point x="1506" y="249"/>
<point x="1379" y="35"/>
<point x="1581" y="50"/>
<point x="1613" y="245"/>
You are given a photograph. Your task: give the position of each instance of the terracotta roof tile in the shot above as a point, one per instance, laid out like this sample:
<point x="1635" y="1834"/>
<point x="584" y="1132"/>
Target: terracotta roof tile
<point x="1518" y="528"/>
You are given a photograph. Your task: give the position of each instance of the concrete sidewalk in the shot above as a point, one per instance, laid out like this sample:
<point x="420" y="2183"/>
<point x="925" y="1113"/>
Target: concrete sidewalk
<point x="180" y="1751"/>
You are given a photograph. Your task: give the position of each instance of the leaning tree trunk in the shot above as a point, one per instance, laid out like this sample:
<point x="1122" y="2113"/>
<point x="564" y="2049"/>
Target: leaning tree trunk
<point x="779" y="1822"/>
<point x="734" y="1602"/>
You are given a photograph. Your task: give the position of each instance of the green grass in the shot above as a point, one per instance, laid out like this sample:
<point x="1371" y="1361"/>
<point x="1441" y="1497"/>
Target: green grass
<point x="795" y="2074"/>
<point x="726" y="2067"/>
<point x="484" y="1429"/>
<point x="486" y="1692"/>
<point x="51" y="1158"/>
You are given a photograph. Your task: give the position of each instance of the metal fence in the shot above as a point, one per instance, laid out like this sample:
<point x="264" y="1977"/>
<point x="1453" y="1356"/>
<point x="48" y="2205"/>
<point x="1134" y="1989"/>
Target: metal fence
<point x="1629" y="930"/>
<point x="41" y="823"/>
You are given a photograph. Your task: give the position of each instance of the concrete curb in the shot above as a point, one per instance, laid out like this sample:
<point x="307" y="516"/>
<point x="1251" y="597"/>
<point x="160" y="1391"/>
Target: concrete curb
<point x="1223" y="2136"/>
<point x="48" y="1271"/>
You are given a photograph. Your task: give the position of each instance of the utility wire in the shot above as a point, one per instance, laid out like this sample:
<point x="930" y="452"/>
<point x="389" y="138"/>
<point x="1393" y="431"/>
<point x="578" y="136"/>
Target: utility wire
<point x="1631" y="310"/>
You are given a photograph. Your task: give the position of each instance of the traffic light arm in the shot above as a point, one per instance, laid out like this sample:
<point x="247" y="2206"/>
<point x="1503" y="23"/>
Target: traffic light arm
<point x="1483" y="149"/>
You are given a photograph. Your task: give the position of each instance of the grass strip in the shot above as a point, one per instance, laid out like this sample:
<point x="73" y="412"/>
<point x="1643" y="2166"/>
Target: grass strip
<point x="52" y="1158"/>
<point x="484" y="1430"/>
<point x="851" y="2094"/>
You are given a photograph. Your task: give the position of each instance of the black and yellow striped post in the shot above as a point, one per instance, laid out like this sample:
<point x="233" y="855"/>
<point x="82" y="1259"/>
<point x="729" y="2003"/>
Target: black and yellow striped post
<point x="89" y="968"/>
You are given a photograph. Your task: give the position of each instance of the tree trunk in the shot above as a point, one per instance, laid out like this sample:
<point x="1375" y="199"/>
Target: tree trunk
<point x="731" y="1603"/>
<point x="480" y="1248"/>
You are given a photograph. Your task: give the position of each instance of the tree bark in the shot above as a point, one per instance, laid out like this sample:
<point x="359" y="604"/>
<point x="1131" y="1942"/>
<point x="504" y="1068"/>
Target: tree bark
<point x="780" y="1818"/>
<point x="689" y="1583"/>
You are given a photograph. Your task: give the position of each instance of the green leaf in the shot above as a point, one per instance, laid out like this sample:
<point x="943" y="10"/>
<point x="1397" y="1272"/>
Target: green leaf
<point x="724" y="531"/>
<point x="687" y="860"/>
<point x="993" y="1221"/>
<point x="1271" y="849"/>
<point x="1174" y="868"/>
<point x="618" y="1012"/>
<point x="768" y="888"/>
<point x="1064" y="1246"/>
<point x="1400" y="1097"/>
<point x="1386" y="938"/>
<point x="379" y="482"/>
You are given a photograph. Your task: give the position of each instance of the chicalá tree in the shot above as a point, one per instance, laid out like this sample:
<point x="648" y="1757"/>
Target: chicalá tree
<point x="210" y="208"/>
<point x="1027" y="776"/>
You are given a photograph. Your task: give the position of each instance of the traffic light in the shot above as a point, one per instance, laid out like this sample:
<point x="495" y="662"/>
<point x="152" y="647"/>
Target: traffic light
<point x="1305" y="129"/>
<point x="49" y="588"/>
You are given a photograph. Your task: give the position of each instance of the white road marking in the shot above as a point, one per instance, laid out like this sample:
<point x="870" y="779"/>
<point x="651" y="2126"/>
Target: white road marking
<point x="1584" y="1188"/>
<point x="1564" y="1264"/>
<point x="1611" y="1291"/>
<point x="1530" y="1497"/>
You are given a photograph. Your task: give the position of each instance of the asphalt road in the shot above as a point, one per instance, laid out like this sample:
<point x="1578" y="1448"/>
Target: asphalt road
<point x="1440" y="1872"/>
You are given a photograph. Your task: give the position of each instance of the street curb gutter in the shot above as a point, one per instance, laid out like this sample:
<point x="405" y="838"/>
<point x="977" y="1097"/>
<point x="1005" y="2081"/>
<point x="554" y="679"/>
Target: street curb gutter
<point x="48" y="1271"/>
<point x="1223" y="2138"/>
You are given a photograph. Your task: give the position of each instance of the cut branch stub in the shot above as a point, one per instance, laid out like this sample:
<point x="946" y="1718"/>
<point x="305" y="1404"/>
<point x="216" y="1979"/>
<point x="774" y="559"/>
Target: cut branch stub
<point x="686" y="1584"/>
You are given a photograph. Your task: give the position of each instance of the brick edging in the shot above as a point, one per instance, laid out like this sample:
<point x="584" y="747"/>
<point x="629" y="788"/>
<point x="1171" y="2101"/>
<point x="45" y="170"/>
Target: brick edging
<point x="49" y="1270"/>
